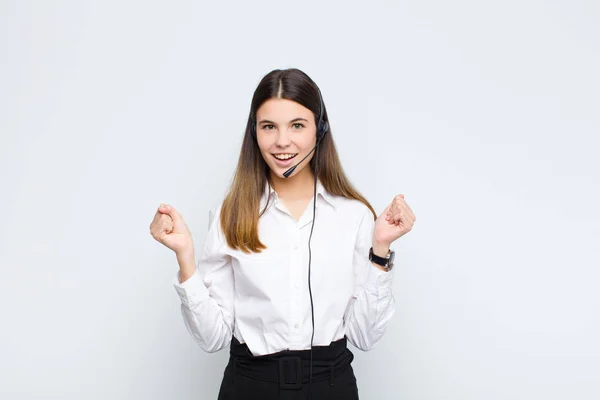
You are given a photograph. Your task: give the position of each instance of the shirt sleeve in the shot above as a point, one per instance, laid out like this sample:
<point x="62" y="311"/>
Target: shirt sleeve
<point x="207" y="296"/>
<point x="372" y="305"/>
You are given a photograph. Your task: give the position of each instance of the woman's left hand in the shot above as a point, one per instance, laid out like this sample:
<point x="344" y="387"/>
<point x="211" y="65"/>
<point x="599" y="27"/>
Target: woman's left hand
<point x="395" y="221"/>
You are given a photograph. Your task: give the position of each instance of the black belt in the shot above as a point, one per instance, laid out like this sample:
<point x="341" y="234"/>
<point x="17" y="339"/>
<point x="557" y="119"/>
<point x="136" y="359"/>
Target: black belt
<point x="291" y="368"/>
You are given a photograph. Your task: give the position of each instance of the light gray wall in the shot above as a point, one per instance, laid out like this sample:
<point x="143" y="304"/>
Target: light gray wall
<point x="484" y="114"/>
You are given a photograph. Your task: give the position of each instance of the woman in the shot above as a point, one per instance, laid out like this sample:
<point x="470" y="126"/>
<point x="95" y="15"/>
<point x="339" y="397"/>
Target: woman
<point x="284" y="295"/>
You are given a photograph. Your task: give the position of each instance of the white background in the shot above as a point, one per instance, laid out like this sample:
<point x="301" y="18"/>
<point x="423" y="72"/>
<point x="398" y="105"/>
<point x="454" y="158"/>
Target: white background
<point x="484" y="114"/>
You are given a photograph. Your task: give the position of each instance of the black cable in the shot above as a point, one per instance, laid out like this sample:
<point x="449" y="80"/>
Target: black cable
<point x="312" y="312"/>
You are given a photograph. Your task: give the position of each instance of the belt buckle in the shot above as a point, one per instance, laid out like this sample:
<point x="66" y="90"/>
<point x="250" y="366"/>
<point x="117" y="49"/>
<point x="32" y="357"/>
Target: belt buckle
<point x="296" y="362"/>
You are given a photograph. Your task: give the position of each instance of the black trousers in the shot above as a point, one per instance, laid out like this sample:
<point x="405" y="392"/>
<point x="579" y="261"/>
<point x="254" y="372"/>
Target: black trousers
<point x="284" y="375"/>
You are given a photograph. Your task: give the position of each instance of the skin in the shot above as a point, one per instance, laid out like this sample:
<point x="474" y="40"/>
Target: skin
<point x="284" y="126"/>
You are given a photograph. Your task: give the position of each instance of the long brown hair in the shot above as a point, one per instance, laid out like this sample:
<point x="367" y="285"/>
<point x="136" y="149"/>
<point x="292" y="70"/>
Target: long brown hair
<point x="240" y="210"/>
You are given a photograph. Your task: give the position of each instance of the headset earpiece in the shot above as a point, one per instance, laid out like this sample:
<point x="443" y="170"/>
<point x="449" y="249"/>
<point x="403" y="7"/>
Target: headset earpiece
<point x="322" y="130"/>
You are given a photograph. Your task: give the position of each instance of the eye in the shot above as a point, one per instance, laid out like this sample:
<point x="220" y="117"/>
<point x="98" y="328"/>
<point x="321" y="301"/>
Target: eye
<point x="265" y="127"/>
<point x="298" y="123"/>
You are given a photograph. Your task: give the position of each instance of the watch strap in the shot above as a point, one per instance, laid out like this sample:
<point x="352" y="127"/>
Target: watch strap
<point x="383" y="261"/>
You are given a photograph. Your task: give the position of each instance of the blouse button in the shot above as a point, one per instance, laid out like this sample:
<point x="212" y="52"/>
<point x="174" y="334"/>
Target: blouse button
<point x="296" y="247"/>
<point x="296" y="326"/>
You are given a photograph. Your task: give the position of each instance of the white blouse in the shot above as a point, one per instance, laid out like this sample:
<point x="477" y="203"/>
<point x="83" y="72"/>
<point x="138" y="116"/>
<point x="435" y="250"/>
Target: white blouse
<point x="263" y="298"/>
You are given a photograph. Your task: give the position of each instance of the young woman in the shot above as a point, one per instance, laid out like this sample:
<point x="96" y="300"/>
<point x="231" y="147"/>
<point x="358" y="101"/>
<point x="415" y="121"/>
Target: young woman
<point x="286" y="293"/>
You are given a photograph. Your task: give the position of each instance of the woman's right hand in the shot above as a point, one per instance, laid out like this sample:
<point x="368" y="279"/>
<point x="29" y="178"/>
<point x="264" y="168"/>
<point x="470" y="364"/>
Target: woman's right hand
<point x="168" y="228"/>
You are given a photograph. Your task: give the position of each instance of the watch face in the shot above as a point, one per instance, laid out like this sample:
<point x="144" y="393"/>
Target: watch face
<point x="392" y="256"/>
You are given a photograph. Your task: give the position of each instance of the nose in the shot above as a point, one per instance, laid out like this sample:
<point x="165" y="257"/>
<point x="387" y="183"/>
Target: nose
<point x="283" y="139"/>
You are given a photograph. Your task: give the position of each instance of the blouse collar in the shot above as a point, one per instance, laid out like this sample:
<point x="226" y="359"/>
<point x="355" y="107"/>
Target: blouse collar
<point x="269" y="193"/>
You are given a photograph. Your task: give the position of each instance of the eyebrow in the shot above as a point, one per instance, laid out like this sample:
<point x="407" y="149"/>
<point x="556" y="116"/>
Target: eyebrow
<point x="271" y="122"/>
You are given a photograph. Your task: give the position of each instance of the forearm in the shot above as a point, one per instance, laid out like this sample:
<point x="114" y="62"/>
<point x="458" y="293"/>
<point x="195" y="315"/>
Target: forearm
<point x="373" y="306"/>
<point x="209" y="324"/>
<point x="369" y="316"/>
<point x="206" y="289"/>
<point x="208" y="317"/>
<point x="187" y="264"/>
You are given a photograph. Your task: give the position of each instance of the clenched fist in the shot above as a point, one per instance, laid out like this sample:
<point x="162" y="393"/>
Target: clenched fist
<point x="168" y="228"/>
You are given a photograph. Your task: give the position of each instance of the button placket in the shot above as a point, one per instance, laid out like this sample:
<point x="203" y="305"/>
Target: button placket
<point x="295" y="276"/>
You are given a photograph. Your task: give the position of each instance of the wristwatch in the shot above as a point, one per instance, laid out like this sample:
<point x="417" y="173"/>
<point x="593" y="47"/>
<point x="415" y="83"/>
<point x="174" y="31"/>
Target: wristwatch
<point x="386" y="262"/>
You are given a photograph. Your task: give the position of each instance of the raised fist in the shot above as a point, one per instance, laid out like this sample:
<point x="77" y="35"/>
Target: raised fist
<point x="168" y="228"/>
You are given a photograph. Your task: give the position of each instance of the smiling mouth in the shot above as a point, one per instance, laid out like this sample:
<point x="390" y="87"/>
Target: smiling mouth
<point x="286" y="157"/>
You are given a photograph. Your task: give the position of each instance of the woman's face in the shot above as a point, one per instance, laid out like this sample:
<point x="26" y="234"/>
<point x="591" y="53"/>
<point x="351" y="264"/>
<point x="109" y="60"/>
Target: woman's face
<point x="286" y="132"/>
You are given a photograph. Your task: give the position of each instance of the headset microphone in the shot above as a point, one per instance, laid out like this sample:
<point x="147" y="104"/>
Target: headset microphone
<point x="291" y="170"/>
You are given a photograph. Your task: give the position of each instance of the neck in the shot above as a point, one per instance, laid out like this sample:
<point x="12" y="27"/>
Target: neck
<point x="296" y="186"/>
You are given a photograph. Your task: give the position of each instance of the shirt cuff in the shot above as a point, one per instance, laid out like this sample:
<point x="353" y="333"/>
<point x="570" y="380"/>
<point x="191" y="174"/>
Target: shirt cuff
<point x="191" y="292"/>
<point x="379" y="282"/>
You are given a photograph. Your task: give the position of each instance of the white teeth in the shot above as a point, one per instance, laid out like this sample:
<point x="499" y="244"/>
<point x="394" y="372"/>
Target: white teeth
<point x="283" y="156"/>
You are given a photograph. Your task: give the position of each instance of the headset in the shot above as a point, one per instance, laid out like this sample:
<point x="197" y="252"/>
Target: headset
<point x="322" y="129"/>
